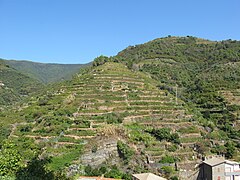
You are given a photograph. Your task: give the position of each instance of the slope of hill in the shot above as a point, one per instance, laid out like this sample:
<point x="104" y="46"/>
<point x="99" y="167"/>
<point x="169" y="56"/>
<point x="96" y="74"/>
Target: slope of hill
<point x="196" y="70"/>
<point x="14" y="85"/>
<point x="46" y="73"/>
<point x="206" y="75"/>
<point x="156" y="106"/>
<point x="182" y="60"/>
<point x="108" y="108"/>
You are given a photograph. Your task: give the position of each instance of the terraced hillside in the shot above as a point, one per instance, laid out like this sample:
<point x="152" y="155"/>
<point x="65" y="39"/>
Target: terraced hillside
<point x="159" y="106"/>
<point x="110" y="103"/>
<point x="233" y="103"/>
<point x="206" y="74"/>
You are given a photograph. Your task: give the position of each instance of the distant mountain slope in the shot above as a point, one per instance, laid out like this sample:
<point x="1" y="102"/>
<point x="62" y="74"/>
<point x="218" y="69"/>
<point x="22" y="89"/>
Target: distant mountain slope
<point x="14" y="85"/>
<point x="46" y="73"/>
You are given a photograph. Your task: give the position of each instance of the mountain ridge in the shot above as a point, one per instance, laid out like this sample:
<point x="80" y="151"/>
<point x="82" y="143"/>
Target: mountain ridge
<point x="46" y="72"/>
<point x="15" y="85"/>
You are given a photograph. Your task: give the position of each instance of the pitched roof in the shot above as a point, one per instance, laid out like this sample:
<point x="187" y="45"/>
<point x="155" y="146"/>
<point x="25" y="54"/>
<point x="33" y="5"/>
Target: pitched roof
<point x="214" y="161"/>
<point x="148" y="176"/>
<point x="231" y="162"/>
<point x="94" y="178"/>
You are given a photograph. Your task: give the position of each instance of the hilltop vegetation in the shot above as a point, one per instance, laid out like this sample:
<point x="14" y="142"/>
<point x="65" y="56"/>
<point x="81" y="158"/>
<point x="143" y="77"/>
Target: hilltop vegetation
<point x="204" y="73"/>
<point x="164" y="103"/>
<point x="46" y="73"/>
<point x="187" y="58"/>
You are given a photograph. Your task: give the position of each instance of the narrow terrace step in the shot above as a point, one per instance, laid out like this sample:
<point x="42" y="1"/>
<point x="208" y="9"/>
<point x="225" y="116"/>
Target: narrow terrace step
<point x="161" y="121"/>
<point x="176" y="154"/>
<point x="118" y="78"/>
<point x="146" y="100"/>
<point x="127" y="81"/>
<point x="95" y="114"/>
<point x="155" y="153"/>
<point x="152" y="92"/>
<point x="98" y="124"/>
<point x="151" y="96"/>
<point x="192" y="135"/>
<point x="103" y="74"/>
<point x="67" y="143"/>
<point x="189" y="144"/>
<point x="78" y="137"/>
<point x="161" y="110"/>
<point x="170" y="125"/>
<point x="82" y="129"/>
<point x="147" y="106"/>
<point x="40" y="137"/>
<point x="135" y="117"/>
<point x="99" y="95"/>
<point x="158" y="98"/>
<point x="190" y="139"/>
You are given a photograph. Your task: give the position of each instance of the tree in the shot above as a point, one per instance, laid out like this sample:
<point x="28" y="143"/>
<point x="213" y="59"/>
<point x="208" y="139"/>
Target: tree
<point x="201" y="147"/>
<point x="168" y="159"/>
<point x="36" y="169"/>
<point x="10" y="159"/>
<point x="167" y="170"/>
<point x="230" y="148"/>
<point x="100" y="60"/>
<point x="124" y="151"/>
<point x="165" y="134"/>
<point x="162" y="134"/>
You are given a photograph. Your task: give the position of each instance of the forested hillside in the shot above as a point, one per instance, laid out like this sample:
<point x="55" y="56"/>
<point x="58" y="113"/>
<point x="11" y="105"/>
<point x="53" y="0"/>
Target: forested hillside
<point x="15" y="85"/>
<point x="204" y="74"/>
<point x="45" y="72"/>
<point x="186" y="59"/>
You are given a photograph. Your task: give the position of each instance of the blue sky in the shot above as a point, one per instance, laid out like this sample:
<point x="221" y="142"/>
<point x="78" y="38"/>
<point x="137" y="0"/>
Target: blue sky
<point x="77" y="31"/>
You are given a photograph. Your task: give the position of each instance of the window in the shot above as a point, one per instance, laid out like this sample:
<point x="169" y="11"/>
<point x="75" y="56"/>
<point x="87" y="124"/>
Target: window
<point x="227" y="169"/>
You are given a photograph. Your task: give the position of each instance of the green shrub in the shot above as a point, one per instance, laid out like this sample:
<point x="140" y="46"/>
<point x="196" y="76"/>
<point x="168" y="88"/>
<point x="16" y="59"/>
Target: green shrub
<point x="172" y="148"/>
<point x="167" y="159"/>
<point x="174" y="178"/>
<point x="165" y="134"/>
<point x="125" y="152"/>
<point x="167" y="170"/>
<point x="191" y="129"/>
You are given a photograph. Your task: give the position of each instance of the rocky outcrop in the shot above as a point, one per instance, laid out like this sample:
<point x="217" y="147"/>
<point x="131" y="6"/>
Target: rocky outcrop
<point x="102" y="151"/>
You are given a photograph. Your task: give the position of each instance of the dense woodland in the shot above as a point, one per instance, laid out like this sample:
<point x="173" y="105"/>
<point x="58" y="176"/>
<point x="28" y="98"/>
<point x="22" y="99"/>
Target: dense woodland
<point x="172" y="100"/>
<point x="46" y="73"/>
<point x="15" y="85"/>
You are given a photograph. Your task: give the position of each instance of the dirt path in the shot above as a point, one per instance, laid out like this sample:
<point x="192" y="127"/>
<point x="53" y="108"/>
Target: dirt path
<point x="40" y="137"/>
<point x="14" y="127"/>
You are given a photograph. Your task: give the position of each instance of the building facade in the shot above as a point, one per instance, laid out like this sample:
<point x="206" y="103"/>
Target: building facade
<point x="219" y="169"/>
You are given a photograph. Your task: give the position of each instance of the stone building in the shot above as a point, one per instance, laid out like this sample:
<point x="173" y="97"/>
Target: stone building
<point x="217" y="168"/>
